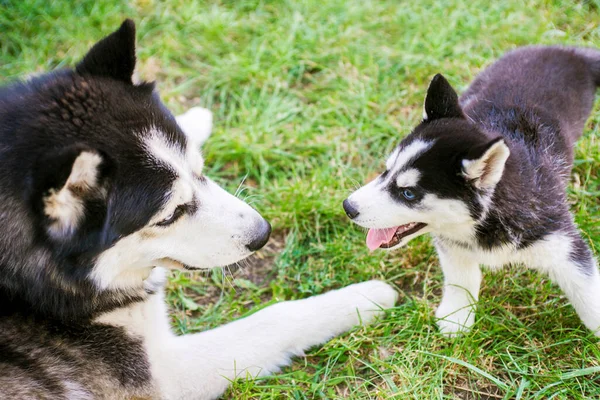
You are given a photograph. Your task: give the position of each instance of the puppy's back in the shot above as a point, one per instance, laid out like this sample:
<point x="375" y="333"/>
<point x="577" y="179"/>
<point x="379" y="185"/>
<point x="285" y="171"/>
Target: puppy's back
<point x="555" y="84"/>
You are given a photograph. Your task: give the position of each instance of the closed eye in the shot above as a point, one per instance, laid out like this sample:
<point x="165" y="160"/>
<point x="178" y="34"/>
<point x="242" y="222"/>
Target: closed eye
<point x="179" y="211"/>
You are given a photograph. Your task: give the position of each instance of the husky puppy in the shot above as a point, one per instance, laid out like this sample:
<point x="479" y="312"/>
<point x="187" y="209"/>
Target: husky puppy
<point x="102" y="191"/>
<point x="486" y="175"/>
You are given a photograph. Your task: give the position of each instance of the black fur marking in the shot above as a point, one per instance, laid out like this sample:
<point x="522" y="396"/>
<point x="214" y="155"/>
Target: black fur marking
<point x="441" y="100"/>
<point x="581" y="254"/>
<point x="31" y="368"/>
<point x="91" y="349"/>
<point x="112" y="57"/>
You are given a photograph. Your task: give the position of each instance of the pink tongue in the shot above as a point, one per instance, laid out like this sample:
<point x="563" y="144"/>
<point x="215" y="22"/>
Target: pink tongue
<point x="377" y="237"/>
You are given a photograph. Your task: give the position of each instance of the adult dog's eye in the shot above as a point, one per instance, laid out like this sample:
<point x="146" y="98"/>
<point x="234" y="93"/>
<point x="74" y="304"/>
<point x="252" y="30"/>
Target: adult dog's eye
<point x="409" y="194"/>
<point x="175" y="215"/>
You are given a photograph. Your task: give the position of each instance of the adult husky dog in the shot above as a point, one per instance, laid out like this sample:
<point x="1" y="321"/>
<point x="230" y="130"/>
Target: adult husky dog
<point x="102" y="191"/>
<point x="486" y="175"/>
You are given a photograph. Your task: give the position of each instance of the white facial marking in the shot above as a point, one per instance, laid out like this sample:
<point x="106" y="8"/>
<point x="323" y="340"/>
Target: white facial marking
<point x="167" y="153"/>
<point x="402" y="157"/>
<point x="389" y="164"/>
<point x="408" y="178"/>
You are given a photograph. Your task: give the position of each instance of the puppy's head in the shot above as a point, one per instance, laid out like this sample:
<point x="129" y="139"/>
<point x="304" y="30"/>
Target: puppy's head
<point x="439" y="179"/>
<point x="117" y="185"/>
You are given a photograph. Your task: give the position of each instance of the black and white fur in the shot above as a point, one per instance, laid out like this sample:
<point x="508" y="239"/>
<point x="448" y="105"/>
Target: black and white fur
<point x="102" y="191"/>
<point x="486" y="176"/>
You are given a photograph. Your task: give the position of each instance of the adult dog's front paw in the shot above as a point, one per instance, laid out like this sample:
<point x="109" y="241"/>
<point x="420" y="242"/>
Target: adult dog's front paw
<point x="317" y="319"/>
<point x="356" y="304"/>
<point x="454" y="319"/>
<point x="368" y="299"/>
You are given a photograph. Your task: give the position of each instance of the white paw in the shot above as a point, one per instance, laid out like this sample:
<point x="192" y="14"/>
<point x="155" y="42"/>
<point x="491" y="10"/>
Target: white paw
<point x="368" y="299"/>
<point x="319" y="318"/>
<point x="452" y="321"/>
<point x="196" y="123"/>
<point x="156" y="280"/>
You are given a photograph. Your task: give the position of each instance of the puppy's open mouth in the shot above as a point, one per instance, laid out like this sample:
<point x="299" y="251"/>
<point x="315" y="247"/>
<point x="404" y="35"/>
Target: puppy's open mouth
<point x="390" y="237"/>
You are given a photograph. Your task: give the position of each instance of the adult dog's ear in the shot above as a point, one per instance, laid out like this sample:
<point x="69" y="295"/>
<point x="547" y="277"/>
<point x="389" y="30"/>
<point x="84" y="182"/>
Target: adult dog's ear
<point x="441" y="101"/>
<point x="484" y="165"/>
<point x="67" y="184"/>
<point x="113" y="56"/>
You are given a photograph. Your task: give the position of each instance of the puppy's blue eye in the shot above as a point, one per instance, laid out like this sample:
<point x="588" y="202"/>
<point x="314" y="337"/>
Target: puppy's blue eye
<point x="408" y="194"/>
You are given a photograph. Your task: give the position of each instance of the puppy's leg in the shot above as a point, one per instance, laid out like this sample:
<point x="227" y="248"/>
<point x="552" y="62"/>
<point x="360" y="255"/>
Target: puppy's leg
<point x="201" y="366"/>
<point x="569" y="262"/>
<point x="196" y="123"/>
<point x="462" y="279"/>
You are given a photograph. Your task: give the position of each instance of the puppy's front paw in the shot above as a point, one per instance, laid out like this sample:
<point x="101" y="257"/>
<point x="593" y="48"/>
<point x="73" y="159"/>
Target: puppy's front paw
<point x="452" y="321"/>
<point x="196" y="123"/>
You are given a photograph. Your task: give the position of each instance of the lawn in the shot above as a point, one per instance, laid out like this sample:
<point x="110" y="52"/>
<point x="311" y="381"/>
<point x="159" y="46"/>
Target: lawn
<point x="309" y="97"/>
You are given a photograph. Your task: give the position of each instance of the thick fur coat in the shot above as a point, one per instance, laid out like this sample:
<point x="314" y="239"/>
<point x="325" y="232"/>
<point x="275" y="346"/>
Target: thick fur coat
<point x="486" y="175"/>
<point x="101" y="192"/>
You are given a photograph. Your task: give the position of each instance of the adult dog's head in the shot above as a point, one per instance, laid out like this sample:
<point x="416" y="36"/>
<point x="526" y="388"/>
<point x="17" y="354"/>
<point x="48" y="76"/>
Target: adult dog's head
<point x="100" y="184"/>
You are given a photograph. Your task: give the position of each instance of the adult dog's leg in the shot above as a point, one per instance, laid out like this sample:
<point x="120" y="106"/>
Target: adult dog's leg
<point x="201" y="366"/>
<point x="462" y="279"/>
<point x="569" y="262"/>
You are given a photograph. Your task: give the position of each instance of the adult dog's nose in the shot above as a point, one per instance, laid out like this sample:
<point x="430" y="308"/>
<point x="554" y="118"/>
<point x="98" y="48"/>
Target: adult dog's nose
<point x="261" y="237"/>
<point x="350" y="209"/>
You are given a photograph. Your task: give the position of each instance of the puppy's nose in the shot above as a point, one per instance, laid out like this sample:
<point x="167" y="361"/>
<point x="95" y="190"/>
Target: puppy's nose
<point x="261" y="237"/>
<point x="350" y="209"/>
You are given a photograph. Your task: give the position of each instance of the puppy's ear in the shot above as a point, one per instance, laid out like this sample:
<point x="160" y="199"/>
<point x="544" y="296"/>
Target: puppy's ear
<point x="67" y="182"/>
<point x="113" y="56"/>
<point x="484" y="165"/>
<point x="441" y="101"/>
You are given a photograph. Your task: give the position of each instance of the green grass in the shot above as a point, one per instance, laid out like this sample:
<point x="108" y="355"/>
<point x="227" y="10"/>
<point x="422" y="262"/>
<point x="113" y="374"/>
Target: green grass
<point x="309" y="97"/>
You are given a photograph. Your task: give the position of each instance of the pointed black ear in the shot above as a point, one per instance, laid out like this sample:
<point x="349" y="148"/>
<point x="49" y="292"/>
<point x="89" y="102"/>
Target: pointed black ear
<point x="441" y="100"/>
<point x="113" y="56"/>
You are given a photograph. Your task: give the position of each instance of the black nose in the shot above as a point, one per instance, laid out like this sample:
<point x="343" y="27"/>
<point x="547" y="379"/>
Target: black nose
<point x="262" y="236"/>
<point x="351" y="211"/>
